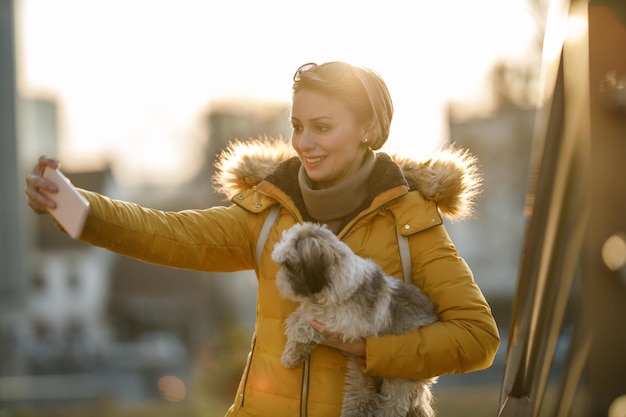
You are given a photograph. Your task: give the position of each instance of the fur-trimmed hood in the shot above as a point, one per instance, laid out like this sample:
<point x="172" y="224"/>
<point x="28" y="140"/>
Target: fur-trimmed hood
<point x="449" y="177"/>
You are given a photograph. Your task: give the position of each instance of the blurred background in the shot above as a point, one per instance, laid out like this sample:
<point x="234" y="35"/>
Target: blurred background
<point x="136" y="98"/>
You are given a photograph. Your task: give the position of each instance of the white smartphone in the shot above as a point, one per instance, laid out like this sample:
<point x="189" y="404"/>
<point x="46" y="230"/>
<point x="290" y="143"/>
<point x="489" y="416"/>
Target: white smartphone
<point x="71" y="207"/>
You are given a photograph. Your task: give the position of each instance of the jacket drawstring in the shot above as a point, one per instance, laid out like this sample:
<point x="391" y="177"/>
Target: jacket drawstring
<point x="304" y="394"/>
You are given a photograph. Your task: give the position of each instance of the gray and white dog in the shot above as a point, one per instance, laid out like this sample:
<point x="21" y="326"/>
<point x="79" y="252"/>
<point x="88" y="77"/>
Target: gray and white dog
<point x="353" y="297"/>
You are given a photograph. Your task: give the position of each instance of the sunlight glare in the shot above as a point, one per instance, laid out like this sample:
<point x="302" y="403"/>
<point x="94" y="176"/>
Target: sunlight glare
<point x="134" y="96"/>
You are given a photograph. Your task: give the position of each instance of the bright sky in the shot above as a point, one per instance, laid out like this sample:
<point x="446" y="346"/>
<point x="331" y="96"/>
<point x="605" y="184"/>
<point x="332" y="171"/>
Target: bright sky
<point x="132" y="76"/>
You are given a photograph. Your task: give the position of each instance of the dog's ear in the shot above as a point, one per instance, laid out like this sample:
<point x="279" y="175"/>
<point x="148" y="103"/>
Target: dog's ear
<point x="316" y="257"/>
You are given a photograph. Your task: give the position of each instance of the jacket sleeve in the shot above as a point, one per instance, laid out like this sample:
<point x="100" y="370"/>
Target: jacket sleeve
<point x="464" y="339"/>
<point x="216" y="239"/>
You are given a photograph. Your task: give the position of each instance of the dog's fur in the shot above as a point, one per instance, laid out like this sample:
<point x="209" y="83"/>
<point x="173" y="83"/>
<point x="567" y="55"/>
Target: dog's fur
<point x="353" y="297"/>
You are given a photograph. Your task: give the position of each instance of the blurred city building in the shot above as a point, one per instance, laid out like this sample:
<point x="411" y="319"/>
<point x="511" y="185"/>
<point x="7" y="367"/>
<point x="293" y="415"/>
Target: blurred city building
<point x="87" y="312"/>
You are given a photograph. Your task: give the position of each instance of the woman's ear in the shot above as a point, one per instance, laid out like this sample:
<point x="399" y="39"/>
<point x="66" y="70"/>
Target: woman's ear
<point x="369" y="132"/>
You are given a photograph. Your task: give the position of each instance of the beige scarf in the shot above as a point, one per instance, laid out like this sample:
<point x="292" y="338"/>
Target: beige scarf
<point x="331" y="205"/>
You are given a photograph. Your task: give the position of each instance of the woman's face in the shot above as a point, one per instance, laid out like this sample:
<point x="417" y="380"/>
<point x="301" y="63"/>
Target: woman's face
<point x="327" y="138"/>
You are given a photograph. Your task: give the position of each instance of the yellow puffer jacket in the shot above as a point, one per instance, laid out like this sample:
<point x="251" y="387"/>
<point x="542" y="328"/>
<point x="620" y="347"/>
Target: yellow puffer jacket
<point x="406" y="195"/>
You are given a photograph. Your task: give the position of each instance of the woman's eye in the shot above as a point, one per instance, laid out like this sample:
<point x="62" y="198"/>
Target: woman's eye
<point x="321" y="128"/>
<point x="296" y="129"/>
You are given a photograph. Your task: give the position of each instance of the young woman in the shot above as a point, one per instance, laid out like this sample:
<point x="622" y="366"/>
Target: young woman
<point x="341" y="116"/>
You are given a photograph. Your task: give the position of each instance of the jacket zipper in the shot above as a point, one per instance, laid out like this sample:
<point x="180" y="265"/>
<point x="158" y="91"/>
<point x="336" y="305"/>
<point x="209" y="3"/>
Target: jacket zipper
<point x="246" y="372"/>
<point x="304" y="394"/>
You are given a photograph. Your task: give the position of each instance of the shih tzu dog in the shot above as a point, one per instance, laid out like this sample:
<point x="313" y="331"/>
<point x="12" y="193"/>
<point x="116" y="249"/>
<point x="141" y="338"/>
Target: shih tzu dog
<point x="352" y="297"/>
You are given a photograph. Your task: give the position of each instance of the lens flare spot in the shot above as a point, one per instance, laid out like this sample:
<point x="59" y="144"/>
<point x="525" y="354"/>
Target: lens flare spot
<point x="618" y="407"/>
<point x="172" y="388"/>
<point x="614" y="252"/>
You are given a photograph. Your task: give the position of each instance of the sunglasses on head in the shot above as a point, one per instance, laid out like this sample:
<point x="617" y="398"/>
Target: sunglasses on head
<point x="329" y="70"/>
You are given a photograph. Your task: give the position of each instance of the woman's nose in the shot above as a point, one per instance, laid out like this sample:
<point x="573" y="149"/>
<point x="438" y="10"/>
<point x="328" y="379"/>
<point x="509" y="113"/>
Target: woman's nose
<point x="306" y="141"/>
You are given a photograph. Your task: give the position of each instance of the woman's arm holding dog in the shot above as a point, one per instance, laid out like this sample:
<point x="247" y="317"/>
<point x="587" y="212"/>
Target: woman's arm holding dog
<point x="466" y="336"/>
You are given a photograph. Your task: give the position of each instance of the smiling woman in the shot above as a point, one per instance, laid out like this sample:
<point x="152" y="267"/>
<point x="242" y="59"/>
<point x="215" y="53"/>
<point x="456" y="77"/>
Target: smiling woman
<point x="385" y="208"/>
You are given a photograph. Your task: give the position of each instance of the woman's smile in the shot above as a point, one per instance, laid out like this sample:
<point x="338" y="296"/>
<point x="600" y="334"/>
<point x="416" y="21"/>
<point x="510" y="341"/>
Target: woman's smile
<point x="310" y="160"/>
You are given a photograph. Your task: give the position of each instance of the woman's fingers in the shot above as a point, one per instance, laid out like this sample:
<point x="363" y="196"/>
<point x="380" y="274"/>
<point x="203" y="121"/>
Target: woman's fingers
<point x="37" y="201"/>
<point x="320" y="328"/>
<point x="335" y="340"/>
<point x="36" y="183"/>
